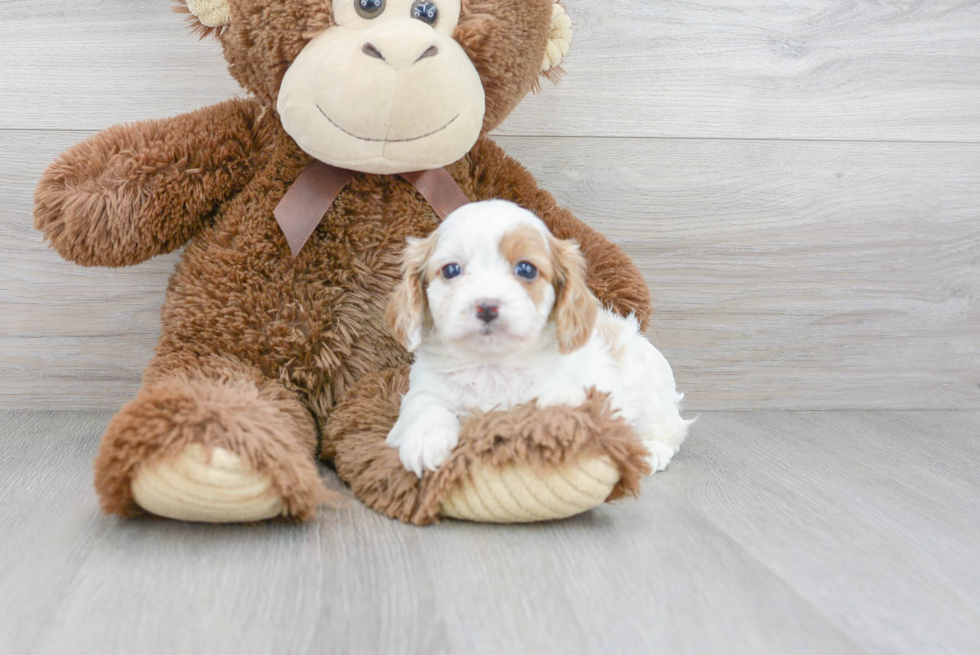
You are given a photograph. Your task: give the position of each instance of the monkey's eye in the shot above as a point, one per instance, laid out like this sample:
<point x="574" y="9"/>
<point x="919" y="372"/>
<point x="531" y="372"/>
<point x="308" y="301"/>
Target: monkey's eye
<point x="449" y="271"/>
<point x="427" y="12"/>
<point x="369" y="8"/>
<point x="526" y="270"/>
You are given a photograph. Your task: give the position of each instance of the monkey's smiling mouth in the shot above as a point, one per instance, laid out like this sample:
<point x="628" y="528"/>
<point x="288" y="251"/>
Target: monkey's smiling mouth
<point x="362" y="138"/>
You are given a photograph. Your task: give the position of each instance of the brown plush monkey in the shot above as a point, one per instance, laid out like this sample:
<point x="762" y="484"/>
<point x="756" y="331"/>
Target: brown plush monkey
<point x="266" y="356"/>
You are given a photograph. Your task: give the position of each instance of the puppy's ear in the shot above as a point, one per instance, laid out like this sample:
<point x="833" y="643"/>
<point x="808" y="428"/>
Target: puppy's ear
<point x="408" y="305"/>
<point x="576" y="308"/>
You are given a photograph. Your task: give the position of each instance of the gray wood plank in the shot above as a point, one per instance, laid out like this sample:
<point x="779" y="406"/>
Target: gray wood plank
<point x="673" y="68"/>
<point x="640" y="575"/>
<point x="50" y="517"/>
<point x="115" y="61"/>
<point x="847" y="510"/>
<point x="786" y="275"/>
<point x="772" y="532"/>
<point x="789" y="275"/>
<point x="654" y="575"/>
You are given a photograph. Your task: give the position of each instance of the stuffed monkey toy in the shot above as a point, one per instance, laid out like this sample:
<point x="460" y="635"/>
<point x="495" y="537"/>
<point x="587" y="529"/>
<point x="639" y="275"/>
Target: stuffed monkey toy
<point x="366" y="124"/>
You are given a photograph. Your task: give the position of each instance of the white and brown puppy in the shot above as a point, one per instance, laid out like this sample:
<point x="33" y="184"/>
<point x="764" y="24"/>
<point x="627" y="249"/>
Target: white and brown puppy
<point x="497" y="312"/>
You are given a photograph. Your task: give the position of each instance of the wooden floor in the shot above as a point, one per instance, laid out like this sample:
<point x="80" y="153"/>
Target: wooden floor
<point x="773" y="532"/>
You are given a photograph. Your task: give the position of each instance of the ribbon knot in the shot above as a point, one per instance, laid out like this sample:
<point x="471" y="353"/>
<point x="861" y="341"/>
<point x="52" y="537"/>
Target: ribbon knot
<point x="315" y="190"/>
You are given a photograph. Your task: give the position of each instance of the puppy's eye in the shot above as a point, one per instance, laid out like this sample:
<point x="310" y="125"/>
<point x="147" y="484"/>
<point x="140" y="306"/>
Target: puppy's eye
<point x="526" y="270"/>
<point x="369" y="8"/>
<point x="427" y="12"/>
<point x="449" y="271"/>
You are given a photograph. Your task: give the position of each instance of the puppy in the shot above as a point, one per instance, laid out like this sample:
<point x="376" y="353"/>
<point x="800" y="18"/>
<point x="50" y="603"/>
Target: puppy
<point x="497" y="312"/>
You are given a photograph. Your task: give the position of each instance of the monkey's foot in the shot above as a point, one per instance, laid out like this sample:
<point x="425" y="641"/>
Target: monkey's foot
<point x="215" y="487"/>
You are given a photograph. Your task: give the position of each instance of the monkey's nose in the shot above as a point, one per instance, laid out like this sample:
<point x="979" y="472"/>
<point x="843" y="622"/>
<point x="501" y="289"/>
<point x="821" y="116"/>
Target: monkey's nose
<point x="399" y="57"/>
<point x="487" y="312"/>
<point x="372" y="51"/>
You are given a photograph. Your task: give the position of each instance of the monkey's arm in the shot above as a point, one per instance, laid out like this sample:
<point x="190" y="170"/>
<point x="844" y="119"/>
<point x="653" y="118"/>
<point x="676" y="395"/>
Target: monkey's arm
<point x="139" y="190"/>
<point x="612" y="275"/>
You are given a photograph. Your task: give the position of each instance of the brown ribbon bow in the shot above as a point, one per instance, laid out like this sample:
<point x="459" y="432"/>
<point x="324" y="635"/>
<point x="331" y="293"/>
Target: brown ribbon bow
<point x="315" y="190"/>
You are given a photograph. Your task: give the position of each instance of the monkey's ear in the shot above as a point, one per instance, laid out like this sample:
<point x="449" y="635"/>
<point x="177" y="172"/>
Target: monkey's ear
<point x="208" y="15"/>
<point x="559" y="43"/>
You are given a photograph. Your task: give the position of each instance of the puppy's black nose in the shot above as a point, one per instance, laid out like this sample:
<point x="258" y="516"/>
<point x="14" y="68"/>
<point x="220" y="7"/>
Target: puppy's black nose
<point x="487" y="312"/>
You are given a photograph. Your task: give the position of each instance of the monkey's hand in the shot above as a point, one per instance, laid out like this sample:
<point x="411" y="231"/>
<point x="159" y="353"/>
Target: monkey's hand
<point x="139" y="190"/>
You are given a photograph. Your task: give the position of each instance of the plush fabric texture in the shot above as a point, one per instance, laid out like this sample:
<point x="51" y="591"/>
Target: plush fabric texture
<point x="547" y="440"/>
<point x="559" y="40"/>
<point x="257" y="347"/>
<point x="392" y="128"/>
<point x="211" y="485"/>
<point x="209" y="16"/>
<point x="232" y="409"/>
<point x="211" y="13"/>
<point x="503" y="38"/>
<point x="521" y="493"/>
<point x="136" y="191"/>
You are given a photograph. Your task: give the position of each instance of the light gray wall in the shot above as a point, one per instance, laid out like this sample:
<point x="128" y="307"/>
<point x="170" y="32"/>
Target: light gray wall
<point x="800" y="185"/>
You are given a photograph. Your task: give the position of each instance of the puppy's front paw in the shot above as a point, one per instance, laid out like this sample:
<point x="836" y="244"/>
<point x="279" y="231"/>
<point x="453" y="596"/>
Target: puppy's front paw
<point x="426" y="443"/>
<point x="570" y="396"/>
<point x="661" y="452"/>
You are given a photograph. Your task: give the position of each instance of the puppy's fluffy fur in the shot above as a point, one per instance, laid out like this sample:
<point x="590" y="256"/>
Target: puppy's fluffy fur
<point x="497" y="312"/>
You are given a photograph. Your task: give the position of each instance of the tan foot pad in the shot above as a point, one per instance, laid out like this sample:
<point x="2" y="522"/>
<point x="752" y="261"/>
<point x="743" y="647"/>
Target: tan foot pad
<point x="193" y="487"/>
<point x="519" y="493"/>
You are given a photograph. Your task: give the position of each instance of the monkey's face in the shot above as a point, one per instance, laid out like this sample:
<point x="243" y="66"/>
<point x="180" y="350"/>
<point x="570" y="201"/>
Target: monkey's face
<point x="384" y="86"/>
<point x="386" y="89"/>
